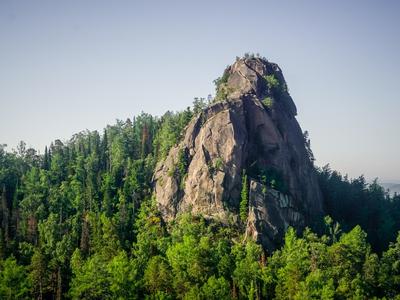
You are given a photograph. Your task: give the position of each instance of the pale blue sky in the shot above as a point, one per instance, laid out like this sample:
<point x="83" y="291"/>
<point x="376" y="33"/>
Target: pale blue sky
<point x="70" y="65"/>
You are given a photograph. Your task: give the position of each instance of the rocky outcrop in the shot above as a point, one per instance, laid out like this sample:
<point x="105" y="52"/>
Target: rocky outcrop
<point x="270" y="214"/>
<point x="252" y="129"/>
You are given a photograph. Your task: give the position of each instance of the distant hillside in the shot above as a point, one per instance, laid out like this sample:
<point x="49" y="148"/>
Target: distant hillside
<point x="392" y="187"/>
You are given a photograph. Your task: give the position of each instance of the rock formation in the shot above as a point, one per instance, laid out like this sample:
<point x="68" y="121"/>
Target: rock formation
<point x="250" y="128"/>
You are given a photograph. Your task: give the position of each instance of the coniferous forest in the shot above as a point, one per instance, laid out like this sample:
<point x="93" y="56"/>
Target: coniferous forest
<point x="80" y="222"/>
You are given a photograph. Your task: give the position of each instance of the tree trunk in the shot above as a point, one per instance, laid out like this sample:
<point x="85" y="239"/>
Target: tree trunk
<point x="5" y="217"/>
<point x="59" y="284"/>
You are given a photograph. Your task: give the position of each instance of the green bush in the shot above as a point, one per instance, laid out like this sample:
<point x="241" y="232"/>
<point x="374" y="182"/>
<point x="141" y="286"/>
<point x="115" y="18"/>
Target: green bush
<point x="218" y="163"/>
<point x="270" y="177"/>
<point x="220" y="86"/>
<point x="268" y="102"/>
<point x="272" y="82"/>
<point x="222" y="93"/>
<point x="223" y="79"/>
<point x="182" y="166"/>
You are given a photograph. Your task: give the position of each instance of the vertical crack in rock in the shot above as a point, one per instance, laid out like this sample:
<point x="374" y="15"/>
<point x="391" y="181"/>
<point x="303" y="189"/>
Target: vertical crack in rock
<point x="255" y="130"/>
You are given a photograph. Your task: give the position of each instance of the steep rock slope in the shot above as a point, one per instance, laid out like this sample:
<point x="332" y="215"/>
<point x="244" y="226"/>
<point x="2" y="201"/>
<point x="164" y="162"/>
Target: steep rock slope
<point x="250" y="129"/>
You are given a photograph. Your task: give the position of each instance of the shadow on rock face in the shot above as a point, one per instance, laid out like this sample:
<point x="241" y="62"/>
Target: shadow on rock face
<point x="250" y="126"/>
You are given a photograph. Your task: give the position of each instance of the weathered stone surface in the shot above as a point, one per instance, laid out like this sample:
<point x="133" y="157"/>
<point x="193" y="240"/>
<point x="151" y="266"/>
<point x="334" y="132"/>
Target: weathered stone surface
<point x="238" y="134"/>
<point x="270" y="214"/>
<point x="215" y="138"/>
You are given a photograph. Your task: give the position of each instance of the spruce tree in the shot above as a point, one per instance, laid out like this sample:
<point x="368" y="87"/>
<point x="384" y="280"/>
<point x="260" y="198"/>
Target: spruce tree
<point x="244" y="201"/>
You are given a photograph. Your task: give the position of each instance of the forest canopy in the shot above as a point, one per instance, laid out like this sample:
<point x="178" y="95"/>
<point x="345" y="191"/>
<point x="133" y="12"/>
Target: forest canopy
<point x="79" y="221"/>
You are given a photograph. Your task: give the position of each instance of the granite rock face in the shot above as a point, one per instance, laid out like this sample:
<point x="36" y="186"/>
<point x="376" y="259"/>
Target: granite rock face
<point x="253" y="130"/>
<point x="270" y="214"/>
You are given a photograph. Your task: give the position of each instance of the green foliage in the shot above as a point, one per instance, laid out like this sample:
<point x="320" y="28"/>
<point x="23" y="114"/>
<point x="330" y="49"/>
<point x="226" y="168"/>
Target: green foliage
<point x="269" y="177"/>
<point x="182" y="165"/>
<point x="216" y="289"/>
<point x="389" y="271"/>
<point x="101" y="277"/>
<point x="312" y="268"/>
<point x="39" y="275"/>
<point x="179" y="169"/>
<point x="199" y="104"/>
<point x="89" y="279"/>
<point x="14" y="283"/>
<point x="157" y="276"/>
<point x="272" y="81"/>
<point x="221" y="88"/>
<point x="121" y="277"/>
<point x="354" y="202"/>
<point x="80" y="222"/>
<point x="247" y="272"/>
<point x="171" y="127"/>
<point x="215" y="166"/>
<point x="244" y="199"/>
<point x="218" y="164"/>
<point x="223" y="79"/>
<point x="268" y="102"/>
<point x="150" y="236"/>
<point x="222" y="93"/>
<point x="333" y="228"/>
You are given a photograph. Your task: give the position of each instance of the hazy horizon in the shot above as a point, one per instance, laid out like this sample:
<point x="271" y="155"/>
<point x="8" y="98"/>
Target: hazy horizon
<point x="67" y="67"/>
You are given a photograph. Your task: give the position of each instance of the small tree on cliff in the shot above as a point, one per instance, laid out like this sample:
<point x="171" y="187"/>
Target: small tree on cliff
<point x="244" y="199"/>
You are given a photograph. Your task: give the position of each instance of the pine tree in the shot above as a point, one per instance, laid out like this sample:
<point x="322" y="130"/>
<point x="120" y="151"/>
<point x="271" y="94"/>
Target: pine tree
<point x="244" y="202"/>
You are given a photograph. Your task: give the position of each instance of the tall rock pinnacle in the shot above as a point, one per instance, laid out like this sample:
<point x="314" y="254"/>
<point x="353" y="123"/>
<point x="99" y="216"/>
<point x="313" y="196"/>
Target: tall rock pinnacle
<point x="250" y="129"/>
